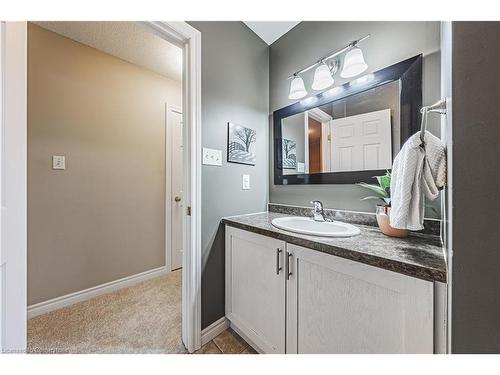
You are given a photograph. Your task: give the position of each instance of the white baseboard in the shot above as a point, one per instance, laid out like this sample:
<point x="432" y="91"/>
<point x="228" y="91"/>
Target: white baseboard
<point x="246" y="338"/>
<point x="86" y="294"/>
<point x="214" y="330"/>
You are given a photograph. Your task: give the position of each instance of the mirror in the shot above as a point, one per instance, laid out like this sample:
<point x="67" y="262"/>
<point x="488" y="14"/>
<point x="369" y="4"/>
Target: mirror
<point x="360" y="132"/>
<point x="352" y="132"/>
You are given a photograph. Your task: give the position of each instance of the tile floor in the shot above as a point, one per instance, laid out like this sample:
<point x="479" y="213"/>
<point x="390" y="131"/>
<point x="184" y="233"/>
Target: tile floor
<point x="228" y="342"/>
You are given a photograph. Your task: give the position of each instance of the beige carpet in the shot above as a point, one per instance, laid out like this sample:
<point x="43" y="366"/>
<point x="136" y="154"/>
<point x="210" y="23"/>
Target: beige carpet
<point x="144" y="318"/>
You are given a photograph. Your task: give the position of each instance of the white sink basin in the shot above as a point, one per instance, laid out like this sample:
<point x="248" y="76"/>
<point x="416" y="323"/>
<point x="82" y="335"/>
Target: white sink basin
<point x="306" y="225"/>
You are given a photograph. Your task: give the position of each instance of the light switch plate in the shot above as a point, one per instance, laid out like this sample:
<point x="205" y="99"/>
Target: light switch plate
<point x="58" y="162"/>
<point x="246" y="182"/>
<point x="212" y="157"/>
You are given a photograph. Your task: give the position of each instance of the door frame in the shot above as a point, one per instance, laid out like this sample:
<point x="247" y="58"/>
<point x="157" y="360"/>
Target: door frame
<point x="169" y="109"/>
<point x="13" y="82"/>
<point x="444" y="304"/>
<point x="13" y="182"/>
<point x="324" y="118"/>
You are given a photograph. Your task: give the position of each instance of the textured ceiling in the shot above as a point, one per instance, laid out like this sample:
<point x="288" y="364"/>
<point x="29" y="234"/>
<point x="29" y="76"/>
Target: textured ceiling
<point x="270" y="32"/>
<point x="127" y="41"/>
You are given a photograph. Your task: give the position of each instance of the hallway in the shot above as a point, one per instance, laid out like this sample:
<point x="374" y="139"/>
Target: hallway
<point x="144" y="318"/>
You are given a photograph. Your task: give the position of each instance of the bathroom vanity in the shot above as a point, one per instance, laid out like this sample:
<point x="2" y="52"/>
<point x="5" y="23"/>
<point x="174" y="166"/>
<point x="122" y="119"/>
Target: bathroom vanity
<point x="294" y="293"/>
<point x="288" y="291"/>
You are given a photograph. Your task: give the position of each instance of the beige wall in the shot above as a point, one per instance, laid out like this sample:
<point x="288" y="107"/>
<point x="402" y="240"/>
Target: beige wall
<point x="103" y="217"/>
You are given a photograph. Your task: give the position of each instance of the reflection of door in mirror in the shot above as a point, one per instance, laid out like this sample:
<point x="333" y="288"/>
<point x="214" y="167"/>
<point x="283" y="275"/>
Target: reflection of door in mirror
<point x="362" y="142"/>
<point x="354" y="134"/>
<point x="353" y="143"/>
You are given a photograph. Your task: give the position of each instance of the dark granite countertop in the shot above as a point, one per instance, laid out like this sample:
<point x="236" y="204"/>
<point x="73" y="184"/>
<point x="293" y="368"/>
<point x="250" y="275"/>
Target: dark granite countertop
<point x="419" y="256"/>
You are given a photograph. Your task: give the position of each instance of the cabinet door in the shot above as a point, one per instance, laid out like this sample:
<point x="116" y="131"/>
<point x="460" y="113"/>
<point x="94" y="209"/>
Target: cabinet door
<point x="335" y="305"/>
<point x="255" y="288"/>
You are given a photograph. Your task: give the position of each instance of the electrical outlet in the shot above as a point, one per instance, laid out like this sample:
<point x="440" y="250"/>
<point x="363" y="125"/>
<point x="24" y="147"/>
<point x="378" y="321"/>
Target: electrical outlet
<point x="246" y="182"/>
<point x="58" y="162"/>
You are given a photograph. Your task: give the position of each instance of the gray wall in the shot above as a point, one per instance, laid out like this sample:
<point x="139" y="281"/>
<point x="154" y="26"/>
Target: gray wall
<point x="235" y="87"/>
<point x="389" y="43"/>
<point x="103" y="218"/>
<point x="476" y="185"/>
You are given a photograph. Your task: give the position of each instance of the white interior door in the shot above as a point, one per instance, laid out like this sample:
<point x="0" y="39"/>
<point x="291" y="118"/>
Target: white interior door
<point x="362" y="142"/>
<point x="176" y="184"/>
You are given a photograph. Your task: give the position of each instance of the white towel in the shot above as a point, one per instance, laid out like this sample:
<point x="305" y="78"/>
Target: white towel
<point x="416" y="172"/>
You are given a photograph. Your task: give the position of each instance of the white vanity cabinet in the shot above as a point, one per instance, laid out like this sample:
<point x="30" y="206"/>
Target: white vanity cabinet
<point x="335" y="305"/>
<point x="320" y="303"/>
<point x="255" y="288"/>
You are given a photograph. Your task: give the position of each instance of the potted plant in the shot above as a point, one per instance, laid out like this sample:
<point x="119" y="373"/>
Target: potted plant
<point x="383" y="196"/>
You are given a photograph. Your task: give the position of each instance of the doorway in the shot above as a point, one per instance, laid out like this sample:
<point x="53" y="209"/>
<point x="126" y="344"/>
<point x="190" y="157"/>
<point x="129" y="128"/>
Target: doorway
<point x="14" y="122"/>
<point x="96" y="218"/>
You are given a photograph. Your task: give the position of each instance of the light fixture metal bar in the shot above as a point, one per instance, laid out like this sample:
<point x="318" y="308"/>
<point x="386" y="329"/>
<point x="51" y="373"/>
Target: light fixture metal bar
<point x="330" y="56"/>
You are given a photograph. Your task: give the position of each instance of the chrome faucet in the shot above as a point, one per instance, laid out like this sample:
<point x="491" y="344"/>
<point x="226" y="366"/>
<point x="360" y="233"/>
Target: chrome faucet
<point x="318" y="212"/>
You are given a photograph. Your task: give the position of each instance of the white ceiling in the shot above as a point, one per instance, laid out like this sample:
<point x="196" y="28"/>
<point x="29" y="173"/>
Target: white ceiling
<point x="127" y="41"/>
<point x="271" y="31"/>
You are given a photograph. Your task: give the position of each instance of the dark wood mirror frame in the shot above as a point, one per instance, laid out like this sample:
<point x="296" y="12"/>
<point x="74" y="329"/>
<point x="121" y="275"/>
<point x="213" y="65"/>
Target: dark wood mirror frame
<point x="409" y="72"/>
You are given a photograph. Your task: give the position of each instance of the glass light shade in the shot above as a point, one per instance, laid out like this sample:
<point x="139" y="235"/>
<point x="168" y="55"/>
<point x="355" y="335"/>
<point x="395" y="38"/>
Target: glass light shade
<point x="322" y="77"/>
<point x="354" y="63"/>
<point x="297" y="88"/>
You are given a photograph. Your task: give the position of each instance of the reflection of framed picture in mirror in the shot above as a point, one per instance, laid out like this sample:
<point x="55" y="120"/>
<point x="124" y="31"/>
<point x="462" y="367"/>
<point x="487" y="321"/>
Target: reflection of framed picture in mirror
<point x="241" y="144"/>
<point x="289" y="154"/>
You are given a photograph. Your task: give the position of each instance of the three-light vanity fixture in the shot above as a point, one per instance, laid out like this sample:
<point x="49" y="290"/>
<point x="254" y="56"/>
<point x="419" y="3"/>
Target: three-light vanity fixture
<point x="327" y="67"/>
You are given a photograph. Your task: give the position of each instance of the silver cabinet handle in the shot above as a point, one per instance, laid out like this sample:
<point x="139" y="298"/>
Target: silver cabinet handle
<point x="289" y="265"/>
<point x="278" y="267"/>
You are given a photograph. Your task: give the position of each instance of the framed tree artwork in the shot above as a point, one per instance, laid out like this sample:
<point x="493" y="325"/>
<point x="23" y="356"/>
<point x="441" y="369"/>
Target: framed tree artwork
<point x="241" y="144"/>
